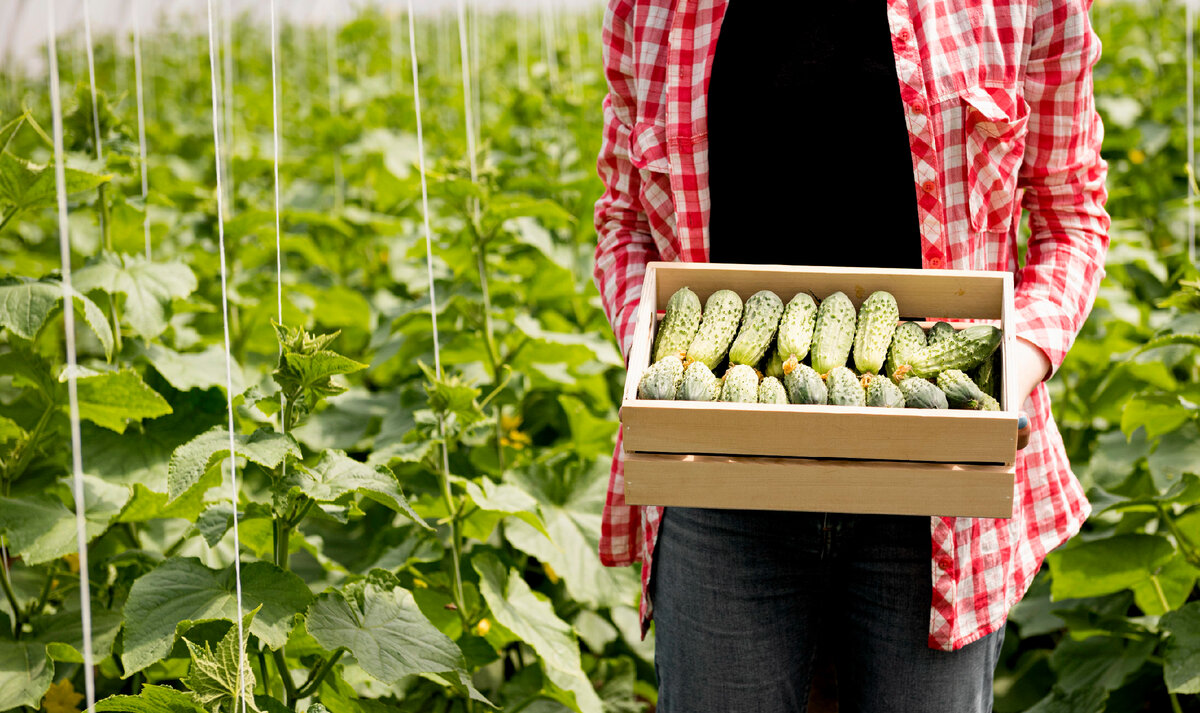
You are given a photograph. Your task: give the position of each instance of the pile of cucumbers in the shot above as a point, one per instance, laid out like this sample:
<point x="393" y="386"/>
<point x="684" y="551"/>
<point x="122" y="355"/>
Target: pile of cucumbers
<point x="800" y="353"/>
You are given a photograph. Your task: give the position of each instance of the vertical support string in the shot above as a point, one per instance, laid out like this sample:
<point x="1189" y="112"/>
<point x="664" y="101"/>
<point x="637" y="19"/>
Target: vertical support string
<point x="233" y="486"/>
<point x="141" y="117"/>
<point x="275" y="162"/>
<point x="91" y="66"/>
<point x="227" y="125"/>
<point x="68" y="297"/>
<point x="549" y="43"/>
<point x="1189" y="13"/>
<point x="335" y="103"/>
<point x="437" y="350"/>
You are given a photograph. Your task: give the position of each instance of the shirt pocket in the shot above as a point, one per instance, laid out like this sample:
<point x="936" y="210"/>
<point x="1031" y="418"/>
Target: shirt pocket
<point x="648" y="147"/>
<point x="996" y="122"/>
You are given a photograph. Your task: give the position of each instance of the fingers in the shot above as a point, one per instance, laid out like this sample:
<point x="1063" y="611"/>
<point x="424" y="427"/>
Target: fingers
<point x="1022" y="431"/>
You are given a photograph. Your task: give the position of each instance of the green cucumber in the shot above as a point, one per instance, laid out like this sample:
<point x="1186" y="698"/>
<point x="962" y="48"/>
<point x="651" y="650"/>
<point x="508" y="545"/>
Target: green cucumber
<point x="771" y="391"/>
<point x="940" y="331"/>
<point x="919" y="393"/>
<point x="740" y="384"/>
<point x="804" y="385"/>
<point x="662" y="379"/>
<point x="773" y="364"/>
<point x="965" y="349"/>
<point x="833" y="335"/>
<point x="760" y="320"/>
<point x="698" y="384"/>
<point x="679" y="324"/>
<point x="718" y="326"/>
<point x="908" y="339"/>
<point x="876" y="324"/>
<point x="961" y="392"/>
<point x="882" y="392"/>
<point x="845" y="388"/>
<point x="796" y="327"/>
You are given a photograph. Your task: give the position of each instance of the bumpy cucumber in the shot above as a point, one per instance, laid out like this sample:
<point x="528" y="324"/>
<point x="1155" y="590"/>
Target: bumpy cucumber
<point x="771" y="391"/>
<point x="963" y="350"/>
<point x="833" y="335"/>
<point x="796" y="327"/>
<point x="876" y="323"/>
<point x="804" y="385"/>
<point x="906" y="342"/>
<point x="919" y="393"/>
<point x="845" y="388"/>
<point x="662" y="379"/>
<point x="698" y="384"/>
<point x="718" y="326"/>
<point x="882" y="392"/>
<point x="740" y="384"/>
<point x="963" y="393"/>
<point x="940" y="331"/>
<point x="760" y="319"/>
<point x="773" y="364"/>
<point x="679" y="324"/>
<point x="987" y="374"/>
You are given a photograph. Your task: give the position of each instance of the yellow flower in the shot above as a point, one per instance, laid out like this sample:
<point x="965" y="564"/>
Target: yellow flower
<point x="1136" y="156"/>
<point x="483" y="627"/>
<point x="550" y="573"/>
<point x="72" y="562"/>
<point x="509" y="423"/>
<point x="61" y="698"/>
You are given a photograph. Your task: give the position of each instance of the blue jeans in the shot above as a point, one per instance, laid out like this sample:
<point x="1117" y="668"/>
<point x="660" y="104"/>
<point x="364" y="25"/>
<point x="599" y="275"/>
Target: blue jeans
<point x="742" y="598"/>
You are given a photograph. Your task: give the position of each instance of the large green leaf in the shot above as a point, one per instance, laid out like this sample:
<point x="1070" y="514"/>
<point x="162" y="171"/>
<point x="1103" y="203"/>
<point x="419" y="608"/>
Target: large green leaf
<point x="495" y="502"/>
<point x="1178" y="452"/>
<point x="194" y="370"/>
<point x="192" y="460"/>
<point x="112" y="398"/>
<point x="1107" y="565"/>
<point x="221" y="678"/>
<point x="40" y="528"/>
<point x="571" y="506"/>
<point x="26" y="671"/>
<point x="63" y="632"/>
<point x="26" y="184"/>
<point x="522" y="612"/>
<point x="182" y="591"/>
<point x="151" y="699"/>
<point x="10" y="430"/>
<point x="26" y="304"/>
<point x="1083" y="700"/>
<point x="385" y="630"/>
<point x="1158" y="413"/>
<point x="1181" y="667"/>
<point x="148" y="287"/>
<point x="337" y="475"/>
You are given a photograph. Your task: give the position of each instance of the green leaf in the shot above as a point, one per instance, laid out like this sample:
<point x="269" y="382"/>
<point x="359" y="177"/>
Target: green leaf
<point x="151" y="699"/>
<point x="1171" y="340"/>
<point x="1181" y="666"/>
<point x="222" y="679"/>
<point x="111" y="398"/>
<point x="1178" y="452"/>
<point x="305" y="372"/>
<point x="1083" y="700"/>
<point x="66" y="628"/>
<point x="214" y="522"/>
<point x="1107" y="565"/>
<point x="26" y="671"/>
<point x="148" y="287"/>
<point x="192" y="460"/>
<point x="40" y="528"/>
<point x="337" y="475"/>
<point x="193" y="370"/>
<point x="1158" y="413"/>
<point x="1099" y="661"/>
<point x="518" y="608"/>
<point x="1167" y="587"/>
<point x="182" y="591"/>
<point x="10" y="431"/>
<point x="25" y="305"/>
<point x="386" y="632"/>
<point x="571" y="505"/>
<point x="496" y="502"/>
<point x="26" y="184"/>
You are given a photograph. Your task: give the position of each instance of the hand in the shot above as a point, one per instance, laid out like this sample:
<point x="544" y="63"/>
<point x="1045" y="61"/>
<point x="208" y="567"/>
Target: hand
<point x="1030" y="366"/>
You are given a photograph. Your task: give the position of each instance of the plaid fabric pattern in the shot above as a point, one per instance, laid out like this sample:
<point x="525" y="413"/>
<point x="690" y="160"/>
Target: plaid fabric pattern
<point x="998" y="105"/>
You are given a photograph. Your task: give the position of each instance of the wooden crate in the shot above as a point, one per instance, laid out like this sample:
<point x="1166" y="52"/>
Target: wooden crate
<point x="823" y="458"/>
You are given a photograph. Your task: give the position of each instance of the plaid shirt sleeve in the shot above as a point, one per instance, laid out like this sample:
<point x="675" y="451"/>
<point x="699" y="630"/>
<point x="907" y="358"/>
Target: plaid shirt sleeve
<point x="1063" y="177"/>
<point x="625" y="243"/>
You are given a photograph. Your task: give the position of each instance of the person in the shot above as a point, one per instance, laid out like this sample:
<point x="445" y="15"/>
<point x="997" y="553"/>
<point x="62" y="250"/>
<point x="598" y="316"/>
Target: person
<point x="885" y="133"/>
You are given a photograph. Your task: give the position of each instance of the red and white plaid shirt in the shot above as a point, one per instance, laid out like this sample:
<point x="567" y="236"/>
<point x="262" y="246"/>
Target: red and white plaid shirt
<point x="998" y="102"/>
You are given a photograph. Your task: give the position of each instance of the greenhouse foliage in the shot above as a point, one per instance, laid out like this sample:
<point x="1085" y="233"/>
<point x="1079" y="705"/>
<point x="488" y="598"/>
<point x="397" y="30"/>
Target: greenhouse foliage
<point x="375" y="578"/>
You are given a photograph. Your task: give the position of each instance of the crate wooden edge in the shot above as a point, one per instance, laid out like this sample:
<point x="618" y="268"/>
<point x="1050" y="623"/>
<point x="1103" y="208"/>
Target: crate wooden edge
<point x="801" y="484"/>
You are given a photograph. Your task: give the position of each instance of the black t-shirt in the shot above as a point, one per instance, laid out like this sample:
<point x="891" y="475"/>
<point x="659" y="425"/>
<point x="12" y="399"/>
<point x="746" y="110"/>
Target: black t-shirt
<point x="809" y="161"/>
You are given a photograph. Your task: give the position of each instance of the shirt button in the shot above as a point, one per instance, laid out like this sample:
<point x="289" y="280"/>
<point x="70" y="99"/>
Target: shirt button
<point x="928" y="186"/>
<point x="902" y="35"/>
<point x="918" y="108"/>
<point x="943" y="563"/>
<point x="935" y="262"/>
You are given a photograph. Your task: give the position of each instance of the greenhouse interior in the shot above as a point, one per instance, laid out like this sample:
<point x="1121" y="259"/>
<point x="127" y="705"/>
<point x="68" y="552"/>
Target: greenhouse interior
<point x="320" y="323"/>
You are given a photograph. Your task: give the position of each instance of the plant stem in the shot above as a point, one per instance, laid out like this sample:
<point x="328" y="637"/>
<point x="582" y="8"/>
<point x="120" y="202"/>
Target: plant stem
<point x="1175" y="707"/>
<point x="8" y="216"/>
<point x="17" y="467"/>
<point x="455" y="535"/>
<point x="11" y="596"/>
<point x="44" y="597"/>
<point x="104" y="217"/>
<point x="289" y="687"/>
<point x="1185" y="544"/>
<point x="283" y="533"/>
<point x="314" y="679"/>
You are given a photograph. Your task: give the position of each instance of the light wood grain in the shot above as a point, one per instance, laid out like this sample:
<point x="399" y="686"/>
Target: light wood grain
<point x="819" y="485"/>
<point x="946" y="436"/>
<point x="643" y="337"/>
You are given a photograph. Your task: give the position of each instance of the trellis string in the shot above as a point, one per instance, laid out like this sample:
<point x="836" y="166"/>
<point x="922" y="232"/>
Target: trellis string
<point x="91" y="66"/>
<point x="549" y="43"/>
<point x="68" y="301"/>
<point x="335" y="102"/>
<point x="1189" y="14"/>
<point x="233" y="486"/>
<point x="141" y="114"/>
<point x="275" y="162"/>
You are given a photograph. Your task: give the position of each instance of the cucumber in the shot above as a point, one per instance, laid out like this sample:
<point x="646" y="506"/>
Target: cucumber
<point x="940" y="331"/>
<point x="698" y="384"/>
<point x="718" y="326"/>
<point x="805" y="386"/>
<point x="919" y="393"/>
<point x="876" y="324"/>
<point x="833" y="335"/>
<point x="679" y="324"/>
<point x="965" y="349"/>
<point x="771" y="391"/>
<point x="987" y="375"/>
<point x="882" y="392"/>
<point x="796" y="327"/>
<point x="961" y="392"/>
<point x="773" y="364"/>
<point x="760" y="320"/>
<point x="740" y="384"/>
<point x="662" y="379"/>
<point x="844" y="388"/>
<point x="908" y="339"/>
